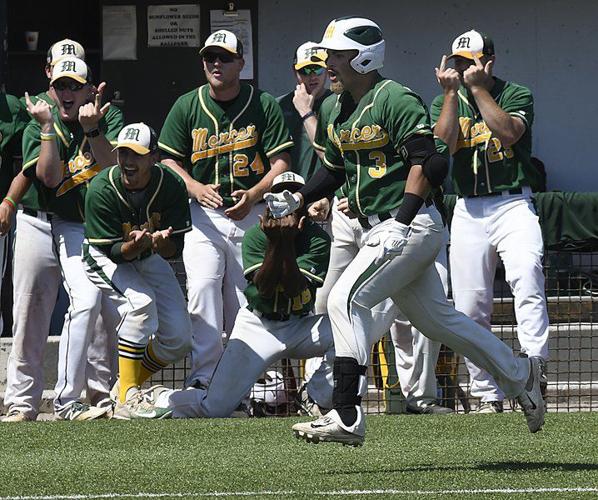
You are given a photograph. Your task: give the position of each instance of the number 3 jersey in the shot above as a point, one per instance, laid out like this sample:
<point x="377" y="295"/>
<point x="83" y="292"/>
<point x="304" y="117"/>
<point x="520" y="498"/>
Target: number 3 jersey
<point x="365" y="140"/>
<point x="312" y="247"/>
<point x="227" y="143"/>
<point x="481" y="164"/>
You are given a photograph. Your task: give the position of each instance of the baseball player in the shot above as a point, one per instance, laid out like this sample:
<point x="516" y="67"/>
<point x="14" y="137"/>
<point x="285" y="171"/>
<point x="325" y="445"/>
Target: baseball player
<point x="486" y="123"/>
<point x="381" y="145"/>
<point x="284" y="262"/>
<point x="137" y="215"/>
<point x="64" y="147"/>
<point x="13" y="120"/>
<point x="415" y="354"/>
<point x="227" y="140"/>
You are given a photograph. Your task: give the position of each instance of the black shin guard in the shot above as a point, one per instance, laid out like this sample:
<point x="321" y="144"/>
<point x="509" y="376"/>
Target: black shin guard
<point x="345" y="395"/>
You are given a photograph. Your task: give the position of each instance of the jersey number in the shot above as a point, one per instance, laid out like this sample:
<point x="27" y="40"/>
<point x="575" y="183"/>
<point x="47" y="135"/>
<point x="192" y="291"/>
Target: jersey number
<point x="240" y="168"/>
<point x="494" y="151"/>
<point x="380" y="169"/>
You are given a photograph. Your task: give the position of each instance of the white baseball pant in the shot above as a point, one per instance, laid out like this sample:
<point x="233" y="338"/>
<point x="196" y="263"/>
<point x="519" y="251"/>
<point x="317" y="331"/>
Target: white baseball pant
<point x="215" y="282"/>
<point x="36" y="280"/>
<point x="415" y="354"/>
<point x="254" y="344"/>
<point x="484" y="229"/>
<point x="149" y="301"/>
<point x="412" y="282"/>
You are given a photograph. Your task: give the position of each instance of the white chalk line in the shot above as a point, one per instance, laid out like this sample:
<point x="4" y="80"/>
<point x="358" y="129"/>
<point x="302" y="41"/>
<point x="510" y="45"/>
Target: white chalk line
<point x="492" y="491"/>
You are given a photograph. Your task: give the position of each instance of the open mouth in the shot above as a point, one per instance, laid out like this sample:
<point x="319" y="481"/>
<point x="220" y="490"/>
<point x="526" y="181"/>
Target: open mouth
<point x="67" y="105"/>
<point x="130" y="171"/>
<point x="332" y="75"/>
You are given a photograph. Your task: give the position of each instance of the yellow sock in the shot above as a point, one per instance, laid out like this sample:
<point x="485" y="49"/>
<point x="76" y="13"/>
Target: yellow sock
<point x="150" y="364"/>
<point x="129" y="366"/>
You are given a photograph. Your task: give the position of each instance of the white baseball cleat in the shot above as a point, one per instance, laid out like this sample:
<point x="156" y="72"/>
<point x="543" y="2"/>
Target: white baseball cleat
<point x="141" y="405"/>
<point x="530" y="399"/>
<point x="330" y="428"/>
<point x="17" y="416"/>
<point x="78" y="412"/>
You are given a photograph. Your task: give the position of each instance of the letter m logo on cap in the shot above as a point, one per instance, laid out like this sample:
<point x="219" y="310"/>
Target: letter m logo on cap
<point x="68" y="49"/>
<point x="219" y="38"/>
<point x="68" y="66"/>
<point x="463" y="42"/>
<point x="132" y="134"/>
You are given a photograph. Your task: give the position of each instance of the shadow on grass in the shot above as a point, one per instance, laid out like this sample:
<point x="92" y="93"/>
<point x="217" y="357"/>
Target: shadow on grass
<point x="486" y="466"/>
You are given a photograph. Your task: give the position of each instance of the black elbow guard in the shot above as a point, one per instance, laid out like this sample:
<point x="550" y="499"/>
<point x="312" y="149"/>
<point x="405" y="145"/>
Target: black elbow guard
<point x="435" y="168"/>
<point x="421" y="150"/>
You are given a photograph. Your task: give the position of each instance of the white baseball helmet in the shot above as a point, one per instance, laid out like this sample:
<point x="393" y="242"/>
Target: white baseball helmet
<point x="270" y="390"/>
<point x="356" y="33"/>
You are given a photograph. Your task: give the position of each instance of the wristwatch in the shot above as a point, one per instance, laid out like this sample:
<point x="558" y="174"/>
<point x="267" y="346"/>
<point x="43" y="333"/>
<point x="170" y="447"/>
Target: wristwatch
<point x="94" y="132"/>
<point x="307" y="115"/>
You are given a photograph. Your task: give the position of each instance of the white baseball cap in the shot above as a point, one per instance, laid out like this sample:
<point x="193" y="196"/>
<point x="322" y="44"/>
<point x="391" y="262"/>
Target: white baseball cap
<point x="226" y="40"/>
<point x="472" y="43"/>
<point x="70" y="67"/>
<point x="64" y="48"/>
<point x="287" y="180"/>
<point x="309" y="54"/>
<point x="139" y="137"/>
<point x="356" y="33"/>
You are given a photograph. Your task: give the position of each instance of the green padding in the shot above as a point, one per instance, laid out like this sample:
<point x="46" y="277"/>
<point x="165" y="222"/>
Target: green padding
<point x="569" y="221"/>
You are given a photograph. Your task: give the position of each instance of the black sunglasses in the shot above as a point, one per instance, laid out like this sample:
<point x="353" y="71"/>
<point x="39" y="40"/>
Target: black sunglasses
<point x="311" y="70"/>
<point x="223" y="57"/>
<point x="72" y="85"/>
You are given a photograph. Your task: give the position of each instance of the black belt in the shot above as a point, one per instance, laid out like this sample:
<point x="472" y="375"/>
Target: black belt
<point x="36" y="213"/>
<point x="270" y="316"/>
<point x="386" y="215"/>
<point x="495" y="193"/>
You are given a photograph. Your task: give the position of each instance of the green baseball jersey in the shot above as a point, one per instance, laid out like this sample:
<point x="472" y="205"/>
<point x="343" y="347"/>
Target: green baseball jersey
<point x="13" y="120"/>
<point x="312" y="247"/>
<point x="304" y="160"/>
<point x="231" y="146"/>
<point x="481" y="164"/>
<point x="78" y="163"/>
<point x="365" y="140"/>
<point x="112" y="215"/>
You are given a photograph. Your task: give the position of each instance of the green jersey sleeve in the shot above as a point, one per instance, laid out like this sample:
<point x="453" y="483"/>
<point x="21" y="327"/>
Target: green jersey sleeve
<point x="114" y="123"/>
<point x="404" y="114"/>
<point x="175" y="137"/>
<point x="520" y="103"/>
<point x="276" y="137"/>
<point x="103" y="225"/>
<point x="253" y="250"/>
<point x="31" y="147"/>
<point x="313" y="262"/>
<point x="436" y="108"/>
<point x="323" y="118"/>
<point x="177" y="214"/>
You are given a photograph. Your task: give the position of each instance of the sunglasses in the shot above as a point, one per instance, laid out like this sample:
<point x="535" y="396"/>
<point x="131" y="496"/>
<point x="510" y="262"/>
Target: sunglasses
<point x="223" y="57"/>
<point x="72" y="85"/>
<point x="311" y="70"/>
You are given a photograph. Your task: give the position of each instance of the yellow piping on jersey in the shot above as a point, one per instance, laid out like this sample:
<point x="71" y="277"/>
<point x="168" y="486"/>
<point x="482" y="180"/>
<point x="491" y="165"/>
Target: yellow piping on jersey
<point x="103" y="241"/>
<point x="354" y="126"/>
<point x="311" y="276"/>
<point x="285" y="145"/>
<point x="79" y="178"/>
<point x="115" y="188"/>
<point x="230" y="129"/>
<point x="205" y="108"/>
<point x="61" y="136"/>
<point x="147" y="209"/>
<point x="170" y="150"/>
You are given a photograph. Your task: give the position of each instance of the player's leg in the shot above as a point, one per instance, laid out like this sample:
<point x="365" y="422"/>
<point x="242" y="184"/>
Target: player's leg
<point x="135" y="301"/>
<point x="518" y="237"/>
<point x="417" y="356"/>
<point x="36" y="280"/>
<point x="79" y="322"/>
<point x="252" y="347"/>
<point x="172" y="340"/>
<point x="473" y="266"/>
<point x="4" y="254"/>
<point x="204" y="256"/>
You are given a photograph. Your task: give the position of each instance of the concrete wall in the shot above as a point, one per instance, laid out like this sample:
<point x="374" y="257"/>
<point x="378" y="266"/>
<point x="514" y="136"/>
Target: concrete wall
<point x="548" y="45"/>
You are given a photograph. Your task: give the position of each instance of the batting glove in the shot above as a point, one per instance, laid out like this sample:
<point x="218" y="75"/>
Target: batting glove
<point x="392" y="237"/>
<point x="282" y="204"/>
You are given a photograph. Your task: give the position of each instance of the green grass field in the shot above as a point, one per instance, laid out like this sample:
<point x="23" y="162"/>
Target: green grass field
<point x="404" y="456"/>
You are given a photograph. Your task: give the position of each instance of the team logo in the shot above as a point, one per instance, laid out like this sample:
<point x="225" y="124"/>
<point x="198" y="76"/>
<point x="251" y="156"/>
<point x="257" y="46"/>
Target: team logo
<point x="208" y="146"/>
<point x="463" y="42"/>
<point x="366" y="137"/>
<point x="68" y="66"/>
<point x="132" y="134"/>
<point x="219" y="38"/>
<point x="330" y="30"/>
<point x="68" y="49"/>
